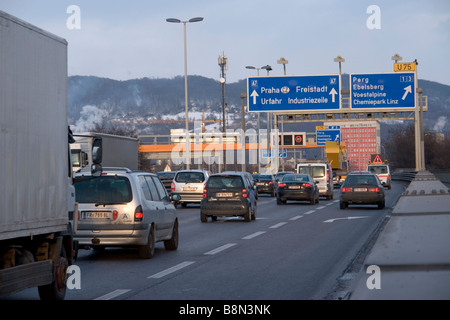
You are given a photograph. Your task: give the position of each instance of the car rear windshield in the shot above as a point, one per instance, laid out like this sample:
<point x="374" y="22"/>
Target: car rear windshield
<point x="378" y="169"/>
<point x="225" y="182"/>
<point x="313" y="171"/>
<point x="263" y="177"/>
<point x="166" y="175"/>
<point x="360" y="179"/>
<point x="103" y="190"/>
<point x="295" y="178"/>
<point x="190" y="177"/>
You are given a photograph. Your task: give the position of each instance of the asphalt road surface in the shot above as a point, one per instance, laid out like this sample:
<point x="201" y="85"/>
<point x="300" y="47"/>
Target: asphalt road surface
<point x="295" y="251"/>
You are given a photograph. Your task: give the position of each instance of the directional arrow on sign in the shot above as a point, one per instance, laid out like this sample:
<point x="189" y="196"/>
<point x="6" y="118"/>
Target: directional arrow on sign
<point x="407" y="90"/>
<point x="254" y="95"/>
<point x="346" y="218"/>
<point x="333" y="93"/>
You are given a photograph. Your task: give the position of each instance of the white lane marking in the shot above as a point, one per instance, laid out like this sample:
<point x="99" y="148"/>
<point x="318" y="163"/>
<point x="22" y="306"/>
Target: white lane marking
<point x="346" y="218"/>
<point x="310" y="211"/>
<point x="113" y="294"/>
<point x="330" y="204"/>
<point x="321" y="207"/>
<point x="221" y="248"/>
<point x="278" y="225"/>
<point x="251" y="236"/>
<point x="171" y="270"/>
<point x="295" y="218"/>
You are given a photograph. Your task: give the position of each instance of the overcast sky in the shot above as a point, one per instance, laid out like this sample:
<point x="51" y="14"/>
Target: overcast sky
<point x="131" y="39"/>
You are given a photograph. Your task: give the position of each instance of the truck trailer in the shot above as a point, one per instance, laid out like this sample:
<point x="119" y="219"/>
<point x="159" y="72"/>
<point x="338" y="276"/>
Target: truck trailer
<point x="118" y="151"/>
<point x="37" y="198"/>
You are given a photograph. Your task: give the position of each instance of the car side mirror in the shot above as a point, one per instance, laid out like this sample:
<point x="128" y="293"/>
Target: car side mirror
<point x="175" y="197"/>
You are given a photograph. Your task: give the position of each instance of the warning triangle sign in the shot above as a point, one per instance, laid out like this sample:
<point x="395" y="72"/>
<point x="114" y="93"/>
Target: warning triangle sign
<point x="377" y="159"/>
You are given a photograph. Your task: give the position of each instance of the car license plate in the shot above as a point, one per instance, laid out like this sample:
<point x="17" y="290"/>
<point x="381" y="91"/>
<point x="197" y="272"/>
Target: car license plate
<point x="360" y="189"/>
<point x="224" y="194"/>
<point x="189" y="188"/>
<point x="260" y="183"/>
<point x="96" y="215"/>
<point x="294" y="187"/>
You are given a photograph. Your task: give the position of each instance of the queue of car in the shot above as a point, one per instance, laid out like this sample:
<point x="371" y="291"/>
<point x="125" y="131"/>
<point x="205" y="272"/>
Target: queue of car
<point x="122" y="208"/>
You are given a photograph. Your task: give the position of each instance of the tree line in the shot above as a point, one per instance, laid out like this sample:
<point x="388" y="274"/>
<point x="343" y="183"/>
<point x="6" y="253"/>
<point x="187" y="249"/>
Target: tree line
<point x="400" y="149"/>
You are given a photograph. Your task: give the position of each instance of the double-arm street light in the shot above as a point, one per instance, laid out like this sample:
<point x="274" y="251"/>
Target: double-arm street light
<point x="188" y="142"/>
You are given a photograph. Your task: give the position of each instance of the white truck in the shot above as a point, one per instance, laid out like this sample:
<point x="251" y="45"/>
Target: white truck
<point x="118" y="151"/>
<point x="37" y="198"/>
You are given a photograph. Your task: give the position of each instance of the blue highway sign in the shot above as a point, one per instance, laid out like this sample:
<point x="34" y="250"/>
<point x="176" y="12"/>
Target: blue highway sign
<point x="293" y="93"/>
<point x="383" y="90"/>
<point x="322" y="136"/>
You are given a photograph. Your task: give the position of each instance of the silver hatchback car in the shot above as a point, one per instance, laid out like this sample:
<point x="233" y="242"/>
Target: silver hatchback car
<point x="125" y="208"/>
<point x="189" y="185"/>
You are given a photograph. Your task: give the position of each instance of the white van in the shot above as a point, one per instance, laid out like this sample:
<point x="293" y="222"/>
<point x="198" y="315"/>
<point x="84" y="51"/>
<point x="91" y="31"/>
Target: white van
<point x="322" y="173"/>
<point x="383" y="172"/>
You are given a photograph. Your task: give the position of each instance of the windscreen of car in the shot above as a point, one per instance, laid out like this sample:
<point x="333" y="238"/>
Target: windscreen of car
<point x="378" y="169"/>
<point x="360" y="179"/>
<point x="190" y="177"/>
<point x="222" y="182"/>
<point x="295" y="178"/>
<point x="313" y="171"/>
<point x="103" y="190"/>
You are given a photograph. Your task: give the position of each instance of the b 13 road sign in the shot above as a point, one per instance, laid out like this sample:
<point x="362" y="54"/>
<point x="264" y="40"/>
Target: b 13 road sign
<point x="383" y="91"/>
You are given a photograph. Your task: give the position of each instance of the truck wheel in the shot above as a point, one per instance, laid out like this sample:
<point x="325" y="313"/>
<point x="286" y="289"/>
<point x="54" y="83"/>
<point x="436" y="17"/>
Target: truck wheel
<point x="57" y="289"/>
<point x="172" y="244"/>
<point x="147" y="251"/>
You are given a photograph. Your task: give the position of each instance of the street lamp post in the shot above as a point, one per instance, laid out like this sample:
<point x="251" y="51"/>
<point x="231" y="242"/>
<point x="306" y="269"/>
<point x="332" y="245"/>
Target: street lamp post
<point x="284" y="62"/>
<point x="188" y="142"/>
<point x="340" y="60"/>
<point x="269" y="124"/>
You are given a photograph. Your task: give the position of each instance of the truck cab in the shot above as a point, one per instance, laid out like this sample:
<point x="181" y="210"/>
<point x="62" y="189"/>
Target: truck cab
<point x="383" y="172"/>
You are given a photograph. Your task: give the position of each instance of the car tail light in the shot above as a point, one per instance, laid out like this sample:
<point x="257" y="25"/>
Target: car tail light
<point x="346" y="189"/>
<point x="204" y="193"/>
<point x="307" y="185"/>
<point x="138" y="214"/>
<point x="328" y="176"/>
<point x="244" y="193"/>
<point x="172" y="186"/>
<point x="115" y="214"/>
<point x="270" y="182"/>
<point x="281" y="185"/>
<point x="376" y="189"/>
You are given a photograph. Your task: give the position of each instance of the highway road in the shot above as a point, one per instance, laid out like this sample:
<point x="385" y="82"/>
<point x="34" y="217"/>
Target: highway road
<point x="292" y="251"/>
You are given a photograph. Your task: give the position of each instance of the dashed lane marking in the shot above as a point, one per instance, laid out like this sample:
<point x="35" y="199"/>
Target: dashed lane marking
<point x="278" y="225"/>
<point x="171" y="270"/>
<point x="221" y="248"/>
<point x="113" y="294"/>
<point x="253" y="235"/>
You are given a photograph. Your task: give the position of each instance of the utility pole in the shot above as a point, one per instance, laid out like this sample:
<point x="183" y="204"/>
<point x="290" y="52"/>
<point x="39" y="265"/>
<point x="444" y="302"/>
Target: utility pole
<point x="223" y="63"/>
